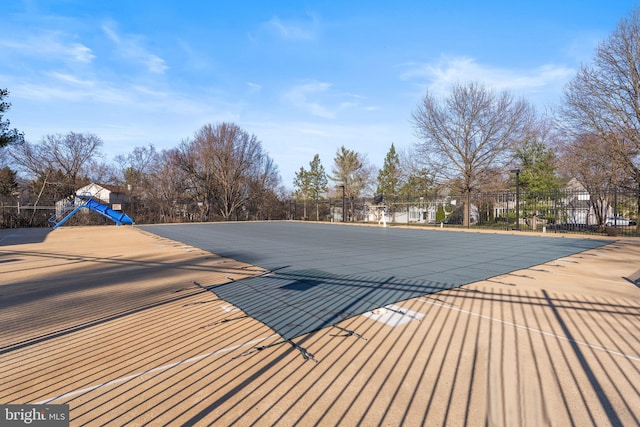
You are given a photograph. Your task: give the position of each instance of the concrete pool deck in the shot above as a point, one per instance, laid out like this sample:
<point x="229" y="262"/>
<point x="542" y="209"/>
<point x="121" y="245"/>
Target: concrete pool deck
<point x="118" y="323"/>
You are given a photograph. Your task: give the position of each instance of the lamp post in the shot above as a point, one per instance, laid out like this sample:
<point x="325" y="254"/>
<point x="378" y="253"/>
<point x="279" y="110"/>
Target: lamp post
<point x="343" y="216"/>
<point x="517" y="172"/>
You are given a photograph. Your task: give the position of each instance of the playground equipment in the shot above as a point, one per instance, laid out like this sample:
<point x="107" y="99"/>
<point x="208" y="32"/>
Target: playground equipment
<point x="88" y="202"/>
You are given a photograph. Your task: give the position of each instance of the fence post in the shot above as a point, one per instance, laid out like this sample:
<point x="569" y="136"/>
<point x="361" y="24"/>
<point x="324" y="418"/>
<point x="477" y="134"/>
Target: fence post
<point x="517" y="199"/>
<point x="555" y="210"/>
<point x="615" y="208"/>
<point x="508" y="197"/>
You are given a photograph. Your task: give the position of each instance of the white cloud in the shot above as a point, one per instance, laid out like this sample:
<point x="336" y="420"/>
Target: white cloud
<point x="70" y="79"/>
<point x="66" y="88"/>
<point x="316" y="98"/>
<point x="301" y="97"/>
<point x="293" y="30"/>
<point x="440" y="76"/>
<point x="49" y="45"/>
<point x="111" y="33"/>
<point x="155" y="64"/>
<point x="254" y="87"/>
<point x="131" y="47"/>
<point x="194" y="58"/>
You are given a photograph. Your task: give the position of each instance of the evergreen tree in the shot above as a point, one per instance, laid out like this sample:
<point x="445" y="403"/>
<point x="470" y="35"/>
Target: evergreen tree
<point x="440" y="214"/>
<point x="537" y="167"/>
<point x="302" y="181"/>
<point x="350" y="170"/>
<point x="317" y="181"/>
<point x="8" y="183"/>
<point x="419" y="183"/>
<point x="7" y="136"/>
<point x="389" y="177"/>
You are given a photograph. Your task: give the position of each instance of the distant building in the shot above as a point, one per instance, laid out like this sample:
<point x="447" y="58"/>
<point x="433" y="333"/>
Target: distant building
<point x="108" y="194"/>
<point x="111" y="195"/>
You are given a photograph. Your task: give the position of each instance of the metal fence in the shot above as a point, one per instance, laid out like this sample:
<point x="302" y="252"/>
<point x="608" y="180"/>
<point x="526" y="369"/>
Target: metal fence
<point x="607" y="212"/>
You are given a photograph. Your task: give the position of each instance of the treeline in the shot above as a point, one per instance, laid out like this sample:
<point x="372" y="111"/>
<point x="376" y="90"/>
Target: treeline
<point x="222" y="173"/>
<point x="473" y="140"/>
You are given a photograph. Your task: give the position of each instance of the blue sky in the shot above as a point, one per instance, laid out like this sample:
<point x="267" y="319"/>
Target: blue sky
<point x="304" y="77"/>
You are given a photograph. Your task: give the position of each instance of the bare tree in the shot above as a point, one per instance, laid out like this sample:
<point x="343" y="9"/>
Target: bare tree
<point x="219" y="161"/>
<point x="61" y="161"/>
<point x="135" y="166"/>
<point x="470" y="133"/>
<point x="603" y="100"/>
<point x="71" y="153"/>
<point x="134" y="178"/>
<point x="166" y="186"/>
<point x="417" y="178"/>
<point x="587" y="159"/>
<point x="104" y="173"/>
<point x="264" y="180"/>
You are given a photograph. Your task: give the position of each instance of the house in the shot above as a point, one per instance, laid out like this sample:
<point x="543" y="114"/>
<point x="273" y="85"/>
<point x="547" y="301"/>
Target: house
<point x="420" y="212"/>
<point x="583" y="207"/>
<point x="111" y="195"/>
<point x="108" y="194"/>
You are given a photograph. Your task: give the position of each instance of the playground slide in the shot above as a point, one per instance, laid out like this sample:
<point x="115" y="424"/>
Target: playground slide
<point x="115" y="216"/>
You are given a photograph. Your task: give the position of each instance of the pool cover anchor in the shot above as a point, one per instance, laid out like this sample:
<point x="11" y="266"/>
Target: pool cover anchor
<point x="347" y="333"/>
<point x="200" y="286"/>
<point x="305" y="354"/>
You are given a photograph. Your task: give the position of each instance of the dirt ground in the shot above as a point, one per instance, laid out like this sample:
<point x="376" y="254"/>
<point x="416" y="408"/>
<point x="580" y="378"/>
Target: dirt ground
<point x="116" y="322"/>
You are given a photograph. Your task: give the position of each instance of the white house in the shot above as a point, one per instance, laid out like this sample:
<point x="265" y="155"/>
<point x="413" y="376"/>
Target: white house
<point x="108" y="194"/>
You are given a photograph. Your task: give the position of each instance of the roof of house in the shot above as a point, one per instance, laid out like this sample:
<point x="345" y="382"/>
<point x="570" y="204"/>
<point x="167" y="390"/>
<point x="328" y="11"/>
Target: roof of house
<point x="111" y="188"/>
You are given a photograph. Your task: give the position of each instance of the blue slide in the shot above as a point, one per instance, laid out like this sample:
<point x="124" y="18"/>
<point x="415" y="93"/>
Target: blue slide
<point x="89" y="203"/>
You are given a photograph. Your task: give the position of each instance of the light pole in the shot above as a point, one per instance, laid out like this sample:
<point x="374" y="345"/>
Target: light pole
<point x="517" y="172"/>
<point x="343" y="213"/>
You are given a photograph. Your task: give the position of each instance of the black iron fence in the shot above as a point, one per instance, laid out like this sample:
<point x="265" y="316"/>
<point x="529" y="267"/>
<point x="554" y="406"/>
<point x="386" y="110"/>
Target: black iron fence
<point x="613" y="212"/>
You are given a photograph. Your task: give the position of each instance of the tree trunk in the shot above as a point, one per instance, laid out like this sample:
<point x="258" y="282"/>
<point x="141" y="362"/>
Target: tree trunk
<point x="467" y="209"/>
<point x="304" y="208"/>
